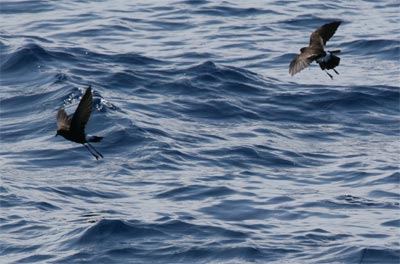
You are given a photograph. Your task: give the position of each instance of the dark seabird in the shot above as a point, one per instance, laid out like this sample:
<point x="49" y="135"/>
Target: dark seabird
<point x="315" y="51"/>
<point x="73" y="129"/>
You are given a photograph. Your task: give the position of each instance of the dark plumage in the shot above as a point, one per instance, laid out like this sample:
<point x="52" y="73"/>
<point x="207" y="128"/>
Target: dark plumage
<point x="315" y="51"/>
<point x="73" y="129"/>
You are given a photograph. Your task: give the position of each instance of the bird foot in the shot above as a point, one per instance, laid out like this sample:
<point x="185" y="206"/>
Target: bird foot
<point x="329" y="74"/>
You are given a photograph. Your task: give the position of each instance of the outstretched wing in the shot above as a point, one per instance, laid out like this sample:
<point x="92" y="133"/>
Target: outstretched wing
<point x="302" y="61"/>
<point x="323" y="34"/>
<point x="82" y="113"/>
<point x="62" y="120"/>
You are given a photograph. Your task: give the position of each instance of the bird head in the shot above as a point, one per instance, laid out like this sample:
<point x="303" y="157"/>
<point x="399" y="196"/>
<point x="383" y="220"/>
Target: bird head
<point x="62" y="132"/>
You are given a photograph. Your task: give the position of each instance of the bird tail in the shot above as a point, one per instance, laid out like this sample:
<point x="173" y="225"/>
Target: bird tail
<point x="334" y="51"/>
<point x="335" y="60"/>
<point x="94" y="139"/>
<point x="330" y="64"/>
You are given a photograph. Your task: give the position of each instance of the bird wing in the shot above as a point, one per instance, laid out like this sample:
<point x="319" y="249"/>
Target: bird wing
<point x="62" y="120"/>
<point x="320" y="36"/>
<point x="82" y="113"/>
<point x="302" y="61"/>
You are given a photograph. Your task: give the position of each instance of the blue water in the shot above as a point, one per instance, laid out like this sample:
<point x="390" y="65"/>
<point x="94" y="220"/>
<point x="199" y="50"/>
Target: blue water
<point x="213" y="153"/>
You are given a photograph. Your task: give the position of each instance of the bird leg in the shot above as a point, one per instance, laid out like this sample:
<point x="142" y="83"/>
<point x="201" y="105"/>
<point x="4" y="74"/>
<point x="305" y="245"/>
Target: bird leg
<point x="94" y="154"/>
<point x="95" y="150"/>
<point x="335" y="71"/>
<point x="329" y="74"/>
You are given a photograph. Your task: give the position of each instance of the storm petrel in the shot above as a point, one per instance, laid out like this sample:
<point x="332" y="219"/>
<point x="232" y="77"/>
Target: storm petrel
<point x="315" y="51"/>
<point x="73" y="129"/>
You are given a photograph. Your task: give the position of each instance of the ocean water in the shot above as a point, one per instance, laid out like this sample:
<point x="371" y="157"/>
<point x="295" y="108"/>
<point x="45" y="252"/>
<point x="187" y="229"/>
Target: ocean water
<point x="213" y="153"/>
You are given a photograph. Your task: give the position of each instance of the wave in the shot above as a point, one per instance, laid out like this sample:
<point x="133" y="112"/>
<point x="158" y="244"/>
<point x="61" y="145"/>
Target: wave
<point x="212" y="152"/>
<point x="386" y="49"/>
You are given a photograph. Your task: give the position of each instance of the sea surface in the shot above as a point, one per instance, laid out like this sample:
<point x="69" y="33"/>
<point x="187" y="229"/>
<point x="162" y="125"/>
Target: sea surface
<point x="213" y="153"/>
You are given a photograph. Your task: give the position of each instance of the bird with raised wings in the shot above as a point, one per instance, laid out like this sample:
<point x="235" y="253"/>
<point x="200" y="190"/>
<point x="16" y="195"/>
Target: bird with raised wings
<point x="73" y="129"/>
<point x="315" y="51"/>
